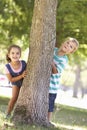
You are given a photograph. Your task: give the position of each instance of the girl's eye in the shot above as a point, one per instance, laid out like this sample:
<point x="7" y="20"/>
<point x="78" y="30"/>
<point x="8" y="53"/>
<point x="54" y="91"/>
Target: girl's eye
<point x="71" y="47"/>
<point x="67" y="42"/>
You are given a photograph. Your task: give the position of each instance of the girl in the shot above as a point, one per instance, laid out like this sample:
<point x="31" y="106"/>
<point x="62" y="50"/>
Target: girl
<point x="15" y="72"/>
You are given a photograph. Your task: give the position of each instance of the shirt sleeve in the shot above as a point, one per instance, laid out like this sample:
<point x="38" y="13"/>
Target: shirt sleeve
<point x="55" y="49"/>
<point x="61" y="66"/>
<point x="6" y="70"/>
<point x="60" y="62"/>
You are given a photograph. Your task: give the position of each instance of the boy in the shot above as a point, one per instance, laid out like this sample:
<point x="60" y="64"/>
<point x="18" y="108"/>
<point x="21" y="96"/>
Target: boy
<point x="60" y="60"/>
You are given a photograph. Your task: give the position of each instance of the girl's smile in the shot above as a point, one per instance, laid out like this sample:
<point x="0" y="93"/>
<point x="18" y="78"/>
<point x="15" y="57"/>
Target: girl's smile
<point x="14" y="54"/>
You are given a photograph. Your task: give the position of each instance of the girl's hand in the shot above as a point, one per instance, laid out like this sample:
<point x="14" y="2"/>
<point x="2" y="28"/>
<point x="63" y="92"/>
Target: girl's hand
<point x="24" y="74"/>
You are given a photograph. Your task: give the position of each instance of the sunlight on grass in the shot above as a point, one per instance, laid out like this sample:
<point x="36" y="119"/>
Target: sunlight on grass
<point x="67" y="127"/>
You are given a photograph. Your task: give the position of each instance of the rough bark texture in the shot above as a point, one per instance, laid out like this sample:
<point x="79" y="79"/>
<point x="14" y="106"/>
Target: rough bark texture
<point x="32" y="104"/>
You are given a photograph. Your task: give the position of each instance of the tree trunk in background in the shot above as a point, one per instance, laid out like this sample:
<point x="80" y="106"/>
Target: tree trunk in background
<point x="78" y="83"/>
<point x="32" y="104"/>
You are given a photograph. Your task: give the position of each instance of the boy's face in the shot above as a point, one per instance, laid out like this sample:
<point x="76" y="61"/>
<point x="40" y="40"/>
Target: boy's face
<point x="68" y="46"/>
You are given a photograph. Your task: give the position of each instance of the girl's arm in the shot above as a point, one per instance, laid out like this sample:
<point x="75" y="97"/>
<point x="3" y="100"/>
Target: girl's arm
<point x="14" y="79"/>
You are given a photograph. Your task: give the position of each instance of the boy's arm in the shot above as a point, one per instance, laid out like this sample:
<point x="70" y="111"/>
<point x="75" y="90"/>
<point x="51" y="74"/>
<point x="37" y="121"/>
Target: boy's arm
<point x="54" y="68"/>
<point x="61" y="66"/>
<point x="58" y="68"/>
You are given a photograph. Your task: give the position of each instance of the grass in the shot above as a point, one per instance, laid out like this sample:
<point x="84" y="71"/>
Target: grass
<point x="66" y="118"/>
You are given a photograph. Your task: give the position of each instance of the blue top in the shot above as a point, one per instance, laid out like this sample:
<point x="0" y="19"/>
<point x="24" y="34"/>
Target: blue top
<point x="14" y="74"/>
<point x="60" y="62"/>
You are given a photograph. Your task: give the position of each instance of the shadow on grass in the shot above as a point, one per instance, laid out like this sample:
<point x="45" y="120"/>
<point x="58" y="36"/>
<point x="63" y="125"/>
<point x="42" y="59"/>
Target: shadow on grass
<point x="3" y="104"/>
<point x="27" y="127"/>
<point x="4" y="100"/>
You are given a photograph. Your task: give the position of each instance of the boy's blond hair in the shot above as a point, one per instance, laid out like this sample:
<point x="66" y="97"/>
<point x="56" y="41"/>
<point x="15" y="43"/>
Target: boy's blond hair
<point x="75" y="41"/>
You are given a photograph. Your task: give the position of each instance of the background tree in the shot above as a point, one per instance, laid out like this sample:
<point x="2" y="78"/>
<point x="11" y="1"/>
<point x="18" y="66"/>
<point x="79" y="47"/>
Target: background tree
<point x="32" y="104"/>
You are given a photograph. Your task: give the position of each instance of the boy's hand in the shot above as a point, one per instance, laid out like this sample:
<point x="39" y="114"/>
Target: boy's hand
<point x="53" y="64"/>
<point x="54" y="69"/>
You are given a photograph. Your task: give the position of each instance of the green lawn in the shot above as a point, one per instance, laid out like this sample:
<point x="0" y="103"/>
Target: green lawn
<point x="65" y="117"/>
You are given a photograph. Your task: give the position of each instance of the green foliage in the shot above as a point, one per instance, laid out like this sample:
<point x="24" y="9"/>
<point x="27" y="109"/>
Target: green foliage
<point x="71" y="20"/>
<point x="15" y="21"/>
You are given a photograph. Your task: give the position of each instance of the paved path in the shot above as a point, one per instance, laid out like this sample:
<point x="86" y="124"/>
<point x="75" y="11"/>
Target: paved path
<point x="62" y="98"/>
<point x="5" y="91"/>
<point x="67" y="99"/>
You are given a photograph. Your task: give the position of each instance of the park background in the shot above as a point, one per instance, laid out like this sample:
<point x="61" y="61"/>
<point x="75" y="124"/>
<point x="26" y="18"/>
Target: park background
<point x="15" y="25"/>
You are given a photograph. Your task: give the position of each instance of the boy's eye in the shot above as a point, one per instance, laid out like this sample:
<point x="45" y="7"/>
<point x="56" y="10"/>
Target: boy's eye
<point x="12" y="52"/>
<point x="17" y="53"/>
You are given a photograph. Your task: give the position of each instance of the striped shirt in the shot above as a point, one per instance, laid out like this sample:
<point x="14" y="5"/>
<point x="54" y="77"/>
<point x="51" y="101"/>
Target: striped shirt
<point x="60" y="62"/>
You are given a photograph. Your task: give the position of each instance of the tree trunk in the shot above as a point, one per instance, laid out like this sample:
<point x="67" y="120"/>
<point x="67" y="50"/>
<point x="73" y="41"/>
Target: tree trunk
<point x="32" y="104"/>
<point x="78" y="83"/>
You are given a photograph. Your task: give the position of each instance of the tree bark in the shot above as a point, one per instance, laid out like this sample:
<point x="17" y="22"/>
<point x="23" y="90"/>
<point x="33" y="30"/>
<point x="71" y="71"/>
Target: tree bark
<point x="32" y="104"/>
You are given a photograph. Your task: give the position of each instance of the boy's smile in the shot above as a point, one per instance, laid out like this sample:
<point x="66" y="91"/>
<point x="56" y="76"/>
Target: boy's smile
<point x="68" y="47"/>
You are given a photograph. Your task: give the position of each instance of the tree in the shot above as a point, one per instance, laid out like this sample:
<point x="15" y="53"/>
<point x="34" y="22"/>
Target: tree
<point x="32" y="104"/>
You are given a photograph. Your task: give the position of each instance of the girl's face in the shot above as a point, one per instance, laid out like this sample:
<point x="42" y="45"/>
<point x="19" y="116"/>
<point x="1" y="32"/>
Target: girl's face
<point x="68" y="47"/>
<point x="14" y="54"/>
